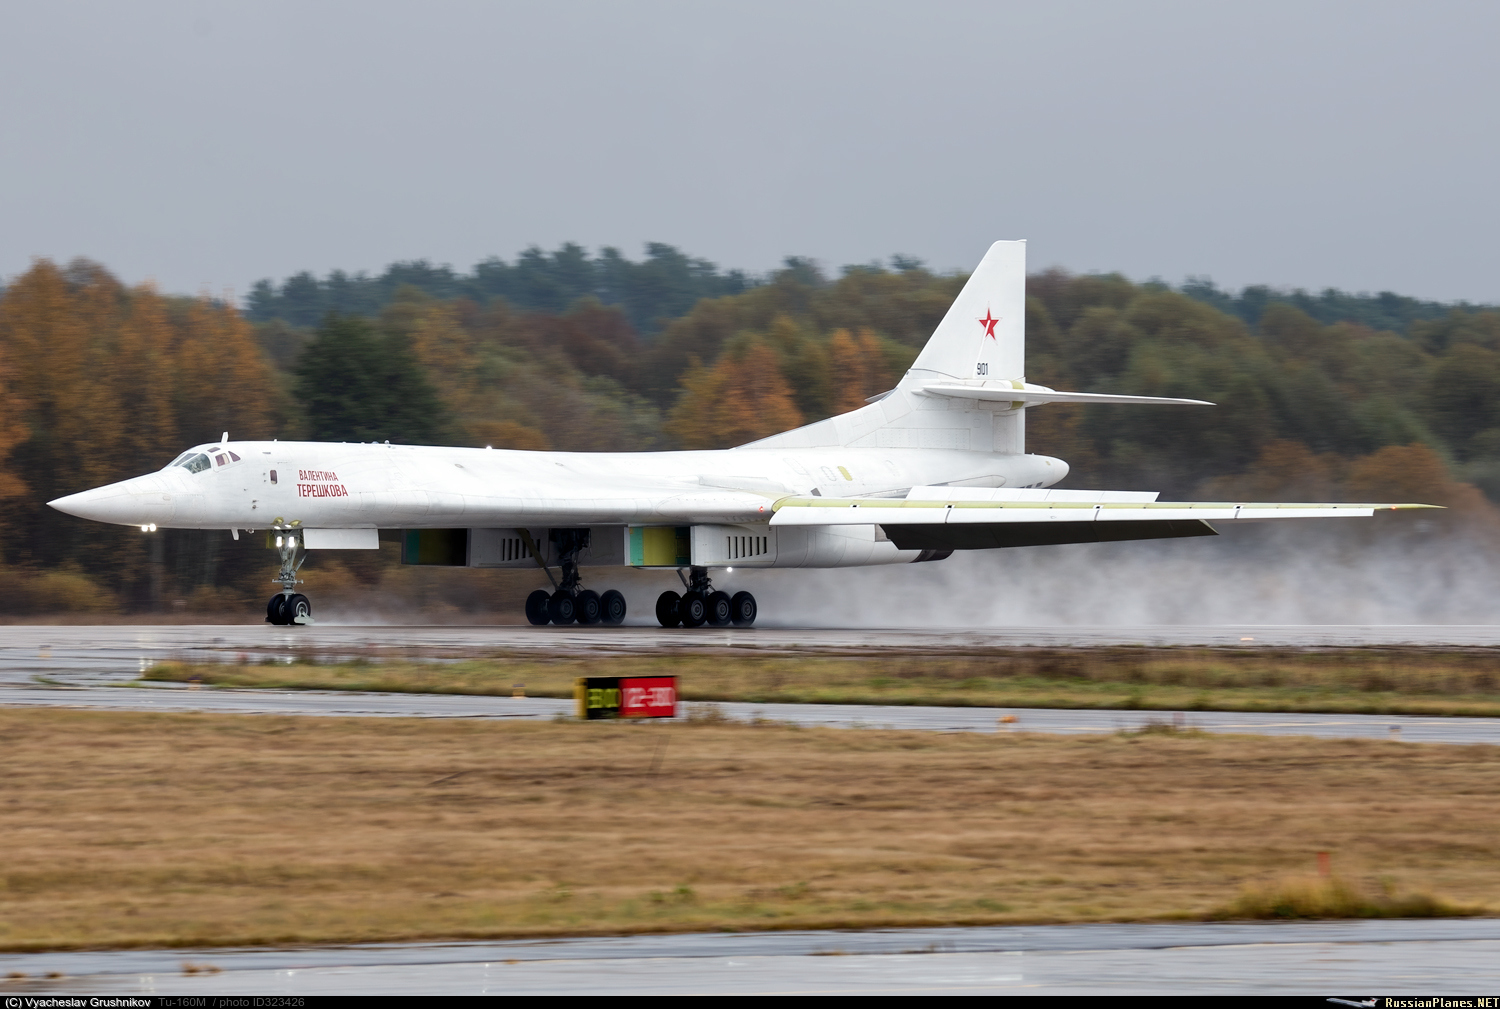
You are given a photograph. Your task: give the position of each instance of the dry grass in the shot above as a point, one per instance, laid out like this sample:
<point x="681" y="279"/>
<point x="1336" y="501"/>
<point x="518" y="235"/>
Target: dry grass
<point x="1336" y="897"/>
<point x="1411" y="681"/>
<point x="136" y="828"/>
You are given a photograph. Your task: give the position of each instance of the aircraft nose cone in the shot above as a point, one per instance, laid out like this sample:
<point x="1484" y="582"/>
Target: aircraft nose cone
<point x="129" y="502"/>
<point x="102" y="504"/>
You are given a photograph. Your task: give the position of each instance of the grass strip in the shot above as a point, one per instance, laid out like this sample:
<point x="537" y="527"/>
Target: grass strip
<point x="1348" y="681"/>
<point x="151" y="829"/>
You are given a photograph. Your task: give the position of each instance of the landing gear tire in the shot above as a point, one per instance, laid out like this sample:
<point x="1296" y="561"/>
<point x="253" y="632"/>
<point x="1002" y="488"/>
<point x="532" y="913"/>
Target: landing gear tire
<point x="274" y="610"/>
<point x="563" y="607"/>
<point x="537" y="608"/>
<point x="612" y="608"/>
<point x="586" y="607"/>
<point x="668" y="612"/>
<point x="297" y="606"/>
<point x="742" y="609"/>
<point x="719" y="611"/>
<point x="693" y="610"/>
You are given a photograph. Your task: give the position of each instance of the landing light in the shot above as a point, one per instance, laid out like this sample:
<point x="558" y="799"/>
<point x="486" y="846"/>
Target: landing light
<point x="729" y="571"/>
<point x="278" y="541"/>
<point x="149" y="527"/>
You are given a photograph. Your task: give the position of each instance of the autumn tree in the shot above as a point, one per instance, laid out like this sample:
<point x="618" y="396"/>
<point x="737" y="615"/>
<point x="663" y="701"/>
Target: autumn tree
<point x="742" y="398"/>
<point x="105" y="383"/>
<point x="858" y="369"/>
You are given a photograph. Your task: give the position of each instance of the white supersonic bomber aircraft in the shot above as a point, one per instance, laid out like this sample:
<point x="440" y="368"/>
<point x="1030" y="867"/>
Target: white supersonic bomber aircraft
<point x="935" y="465"/>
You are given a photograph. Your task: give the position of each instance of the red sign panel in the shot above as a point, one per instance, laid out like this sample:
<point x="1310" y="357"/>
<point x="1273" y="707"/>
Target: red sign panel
<point x="648" y="697"/>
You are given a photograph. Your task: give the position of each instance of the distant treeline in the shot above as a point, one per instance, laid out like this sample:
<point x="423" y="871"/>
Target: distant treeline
<point x="663" y="286"/>
<point x="102" y="381"/>
<point x="1386" y="310"/>
<point x="668" y="283"/>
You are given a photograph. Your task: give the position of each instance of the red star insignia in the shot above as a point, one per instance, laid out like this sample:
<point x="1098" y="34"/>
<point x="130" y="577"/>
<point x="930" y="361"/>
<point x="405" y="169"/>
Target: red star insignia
<point x="988" y="322"/>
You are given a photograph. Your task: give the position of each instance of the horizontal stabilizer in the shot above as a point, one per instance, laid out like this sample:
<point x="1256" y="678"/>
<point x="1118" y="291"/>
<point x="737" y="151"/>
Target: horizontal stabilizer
<point x="1036" y="395"/>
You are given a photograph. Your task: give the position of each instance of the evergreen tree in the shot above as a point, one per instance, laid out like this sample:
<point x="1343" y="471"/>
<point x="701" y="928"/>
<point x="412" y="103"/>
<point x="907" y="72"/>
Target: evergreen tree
<point x="355" y="383"/>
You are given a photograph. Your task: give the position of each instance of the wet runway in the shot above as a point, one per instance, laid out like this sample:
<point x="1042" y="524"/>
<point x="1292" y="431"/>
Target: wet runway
<point x="81" y="654"/>
<point x="158" y="697"/>
<point x="92" y="667"/>
<point x="1326" y="958"/>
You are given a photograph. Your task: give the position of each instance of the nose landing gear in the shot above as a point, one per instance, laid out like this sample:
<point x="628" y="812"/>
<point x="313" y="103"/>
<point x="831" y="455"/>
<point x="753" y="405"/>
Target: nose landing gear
<point x="702" y="604"/>
<point x="289" y="607"/>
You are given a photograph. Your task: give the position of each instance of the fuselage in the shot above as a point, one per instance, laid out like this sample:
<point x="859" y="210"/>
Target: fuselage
<point x="252" y="485"/>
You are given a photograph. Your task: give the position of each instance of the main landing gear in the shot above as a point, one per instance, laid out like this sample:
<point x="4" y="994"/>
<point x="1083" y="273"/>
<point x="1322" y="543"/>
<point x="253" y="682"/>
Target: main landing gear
<point x="288" y="607"/>
<point x="569" y="602"/>
<point x="701" y="604"/>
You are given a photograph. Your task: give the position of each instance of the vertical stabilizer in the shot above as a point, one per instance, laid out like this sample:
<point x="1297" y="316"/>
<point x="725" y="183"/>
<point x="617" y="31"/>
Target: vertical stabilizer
<point x="982" y="339"/>
<point x="983" y="336"/>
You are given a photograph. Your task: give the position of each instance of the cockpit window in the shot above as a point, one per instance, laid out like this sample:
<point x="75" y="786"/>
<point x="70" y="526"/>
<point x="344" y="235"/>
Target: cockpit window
<point x="179" y="460"/>
<point x="234" y="457"/>
<point x="195" y="462"/>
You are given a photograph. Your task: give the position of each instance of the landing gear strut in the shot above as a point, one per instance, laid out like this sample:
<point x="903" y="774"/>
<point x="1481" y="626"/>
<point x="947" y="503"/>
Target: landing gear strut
<point x="289" y="607"/>
<point x="702" y="604"/>
<point x="570" y="601"/>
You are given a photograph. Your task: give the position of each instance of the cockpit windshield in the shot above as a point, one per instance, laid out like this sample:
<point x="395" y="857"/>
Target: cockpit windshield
<point x="197" y="460"/>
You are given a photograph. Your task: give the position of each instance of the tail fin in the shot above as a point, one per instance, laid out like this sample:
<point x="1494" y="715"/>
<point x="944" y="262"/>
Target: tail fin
<point x="984" y="333"/>
<point x="983" y="336"/>
<point x="967" y="389"/>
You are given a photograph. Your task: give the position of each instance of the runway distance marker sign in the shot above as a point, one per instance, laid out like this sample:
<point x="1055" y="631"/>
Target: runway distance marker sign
<point x="626" y="696"/>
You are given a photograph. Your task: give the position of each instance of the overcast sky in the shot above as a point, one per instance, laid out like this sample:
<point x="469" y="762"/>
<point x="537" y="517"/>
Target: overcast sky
<point x="207" y="145"/>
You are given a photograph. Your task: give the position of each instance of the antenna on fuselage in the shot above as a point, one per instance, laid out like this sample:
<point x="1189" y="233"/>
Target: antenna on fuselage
<point x="226" y="436"/>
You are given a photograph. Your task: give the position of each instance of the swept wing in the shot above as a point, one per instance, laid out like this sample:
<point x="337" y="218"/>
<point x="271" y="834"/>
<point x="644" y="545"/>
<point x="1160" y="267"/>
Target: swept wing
<point x="986" y="520"/>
